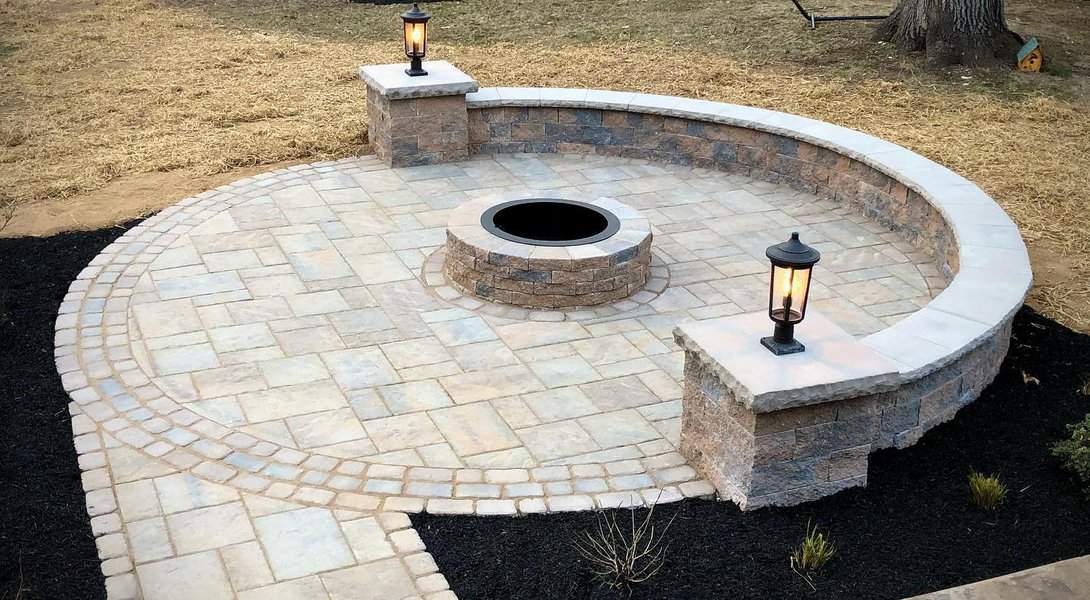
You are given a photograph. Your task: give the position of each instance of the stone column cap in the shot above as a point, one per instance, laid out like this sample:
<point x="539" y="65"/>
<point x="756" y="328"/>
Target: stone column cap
<point x="835" y="365"/>
<point x="443" y="79"/>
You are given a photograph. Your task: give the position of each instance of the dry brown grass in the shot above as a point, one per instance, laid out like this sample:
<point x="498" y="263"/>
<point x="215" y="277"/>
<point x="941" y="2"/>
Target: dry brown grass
<point x="97" y="91"/>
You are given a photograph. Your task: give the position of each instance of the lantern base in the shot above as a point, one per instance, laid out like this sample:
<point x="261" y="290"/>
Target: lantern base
<point x="416" y="69"/>
<point x="779" y="348"/>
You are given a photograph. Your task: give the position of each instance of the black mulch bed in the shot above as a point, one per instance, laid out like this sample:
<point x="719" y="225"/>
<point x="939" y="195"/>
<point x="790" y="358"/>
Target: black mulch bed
<point x="912" y="530"/>
<point x="46" y="547"/>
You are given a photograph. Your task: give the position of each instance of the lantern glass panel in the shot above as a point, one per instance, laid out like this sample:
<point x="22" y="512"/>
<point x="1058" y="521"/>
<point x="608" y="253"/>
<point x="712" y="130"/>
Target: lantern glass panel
<point x="789" y="293"/>
<point x="416" y="39"/>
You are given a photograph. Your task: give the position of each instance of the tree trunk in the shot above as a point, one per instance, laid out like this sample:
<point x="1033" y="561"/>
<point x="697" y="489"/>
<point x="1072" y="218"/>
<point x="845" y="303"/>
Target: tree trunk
<point x="952" y="32"/>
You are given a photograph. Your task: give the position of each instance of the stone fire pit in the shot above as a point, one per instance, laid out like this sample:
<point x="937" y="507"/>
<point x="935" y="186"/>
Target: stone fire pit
<point x="548" y="252"/>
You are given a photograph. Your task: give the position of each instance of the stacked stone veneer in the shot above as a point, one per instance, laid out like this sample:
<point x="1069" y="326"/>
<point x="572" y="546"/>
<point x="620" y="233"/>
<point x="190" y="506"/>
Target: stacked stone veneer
<point x="558" y="282"/>
<point x="417" y="131"/>
<point x="554" y="277"/>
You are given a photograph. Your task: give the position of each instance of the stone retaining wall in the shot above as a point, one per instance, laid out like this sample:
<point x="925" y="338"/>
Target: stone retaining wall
<point x="761" y="155"/>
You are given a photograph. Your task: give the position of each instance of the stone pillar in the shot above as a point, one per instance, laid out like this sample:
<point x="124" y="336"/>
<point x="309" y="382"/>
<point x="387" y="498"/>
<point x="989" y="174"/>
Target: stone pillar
<point x="418" y="120"/>
<point x="780" y="430"/>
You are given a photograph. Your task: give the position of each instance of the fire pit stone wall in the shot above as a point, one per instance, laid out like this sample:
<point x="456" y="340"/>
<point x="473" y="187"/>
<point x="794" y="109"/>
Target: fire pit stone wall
<point x="548" y="277"/>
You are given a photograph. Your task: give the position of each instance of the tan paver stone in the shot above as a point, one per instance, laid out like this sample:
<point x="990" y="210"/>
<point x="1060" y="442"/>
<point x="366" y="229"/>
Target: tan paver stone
<point x="609" y="349"/>
<point x="170" y="361"/>
<point x="415" y="352"/>
<point x="307" y="588"/>
<point x="182" y="492"/>
<point x="246" y="566"/>
<point x="484" y="355"/>
<point x="462" y="331"/>
<point x="184" y="578"/>
<point x="149" y="540"/>
<point x="474" y="428"/>
<point x="618" y="428"/>
<point x="402" y="431"/>
<point x="498" y="383"/>
<point x="228" y="381"/>
<point x="613" y="394"/>
<point x="292" y="400"/>
<point x="381" y="580"/>
<point x="529" y="334"/>
<point x="310" y="340"/>
<point x="294" y="370"/>
<point x="414" y="396"/>
<point x="158" y="319"/>
<point x="360" y="368"/>
<point x="367" y="540"/>
<point x="560" y="372"/>
<point x="323" y="428"/>
<point x="302" y="542"/>
<point x="211" y="527"/>
<point x="561" y="403"/>
<point x="556" y="440"/>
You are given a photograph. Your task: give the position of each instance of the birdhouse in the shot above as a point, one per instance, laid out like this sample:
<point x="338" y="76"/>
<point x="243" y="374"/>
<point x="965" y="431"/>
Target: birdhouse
<point x="1030" y="56"/>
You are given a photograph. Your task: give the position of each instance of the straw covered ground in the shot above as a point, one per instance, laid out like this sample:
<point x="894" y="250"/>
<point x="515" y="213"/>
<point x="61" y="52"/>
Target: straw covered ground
<point x="114" y="108"/>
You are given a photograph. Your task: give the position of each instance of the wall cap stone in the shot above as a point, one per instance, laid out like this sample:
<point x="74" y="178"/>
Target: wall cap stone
<point x="443" y="79"/>
<point x="835" y="365"/>
<point x="994" y="273"/>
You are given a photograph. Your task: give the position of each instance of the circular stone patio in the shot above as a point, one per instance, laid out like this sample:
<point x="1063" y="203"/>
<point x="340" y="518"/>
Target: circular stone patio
<point x="292" y="334"/>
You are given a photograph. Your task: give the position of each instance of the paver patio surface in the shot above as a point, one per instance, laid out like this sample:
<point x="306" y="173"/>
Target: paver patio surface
<point x="267" y="376"/>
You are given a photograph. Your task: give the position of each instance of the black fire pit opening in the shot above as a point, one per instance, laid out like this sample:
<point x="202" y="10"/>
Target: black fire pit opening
<point x="550" y="222"/>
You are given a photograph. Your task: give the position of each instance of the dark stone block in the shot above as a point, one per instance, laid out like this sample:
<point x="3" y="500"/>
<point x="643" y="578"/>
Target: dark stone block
<point x="598" y="136"/>
<point x="724" y="152"/>
<point x="534" y="276"/>
<point x="787" y="146"/>
<point x="484" y="290"/>
<point x="695" y="128"/>
<point x="621" y="136"/>
<point x="406" y="145"/>
<point x="563" y="133"/>
<point x="591" y="118"/>
<point x="499" y="131"/>
<point x="624" y="255"/>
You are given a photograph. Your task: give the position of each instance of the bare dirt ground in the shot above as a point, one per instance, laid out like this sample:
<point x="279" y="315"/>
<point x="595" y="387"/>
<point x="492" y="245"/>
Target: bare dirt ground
<point x="113" y="108"/>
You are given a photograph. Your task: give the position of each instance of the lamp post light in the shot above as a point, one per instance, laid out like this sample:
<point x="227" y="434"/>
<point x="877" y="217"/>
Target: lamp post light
<point x="416" y="39"/>
<point x="788" y="292"/>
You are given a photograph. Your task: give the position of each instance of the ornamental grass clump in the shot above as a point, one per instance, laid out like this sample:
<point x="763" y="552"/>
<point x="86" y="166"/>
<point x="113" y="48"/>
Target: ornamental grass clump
<point x="622" y="556"/>
<point x="1074" y="452"/>
<point x="816" y="550"/>
<point x="987" y="491"/>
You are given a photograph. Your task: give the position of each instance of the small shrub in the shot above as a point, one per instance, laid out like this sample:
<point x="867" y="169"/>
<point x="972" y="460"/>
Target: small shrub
<point x="986" y="490"/>
<point x="621" y="557"/>
<point x="1074" y="452"/>
<point x="816" y="550"/>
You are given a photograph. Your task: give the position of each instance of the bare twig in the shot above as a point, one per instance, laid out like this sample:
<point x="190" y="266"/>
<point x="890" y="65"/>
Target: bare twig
<point x="7" y="212"/>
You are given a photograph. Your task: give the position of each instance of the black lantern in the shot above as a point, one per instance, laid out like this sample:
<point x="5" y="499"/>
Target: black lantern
<point x="789" y="289"/>
<point x="416" y="39"/>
